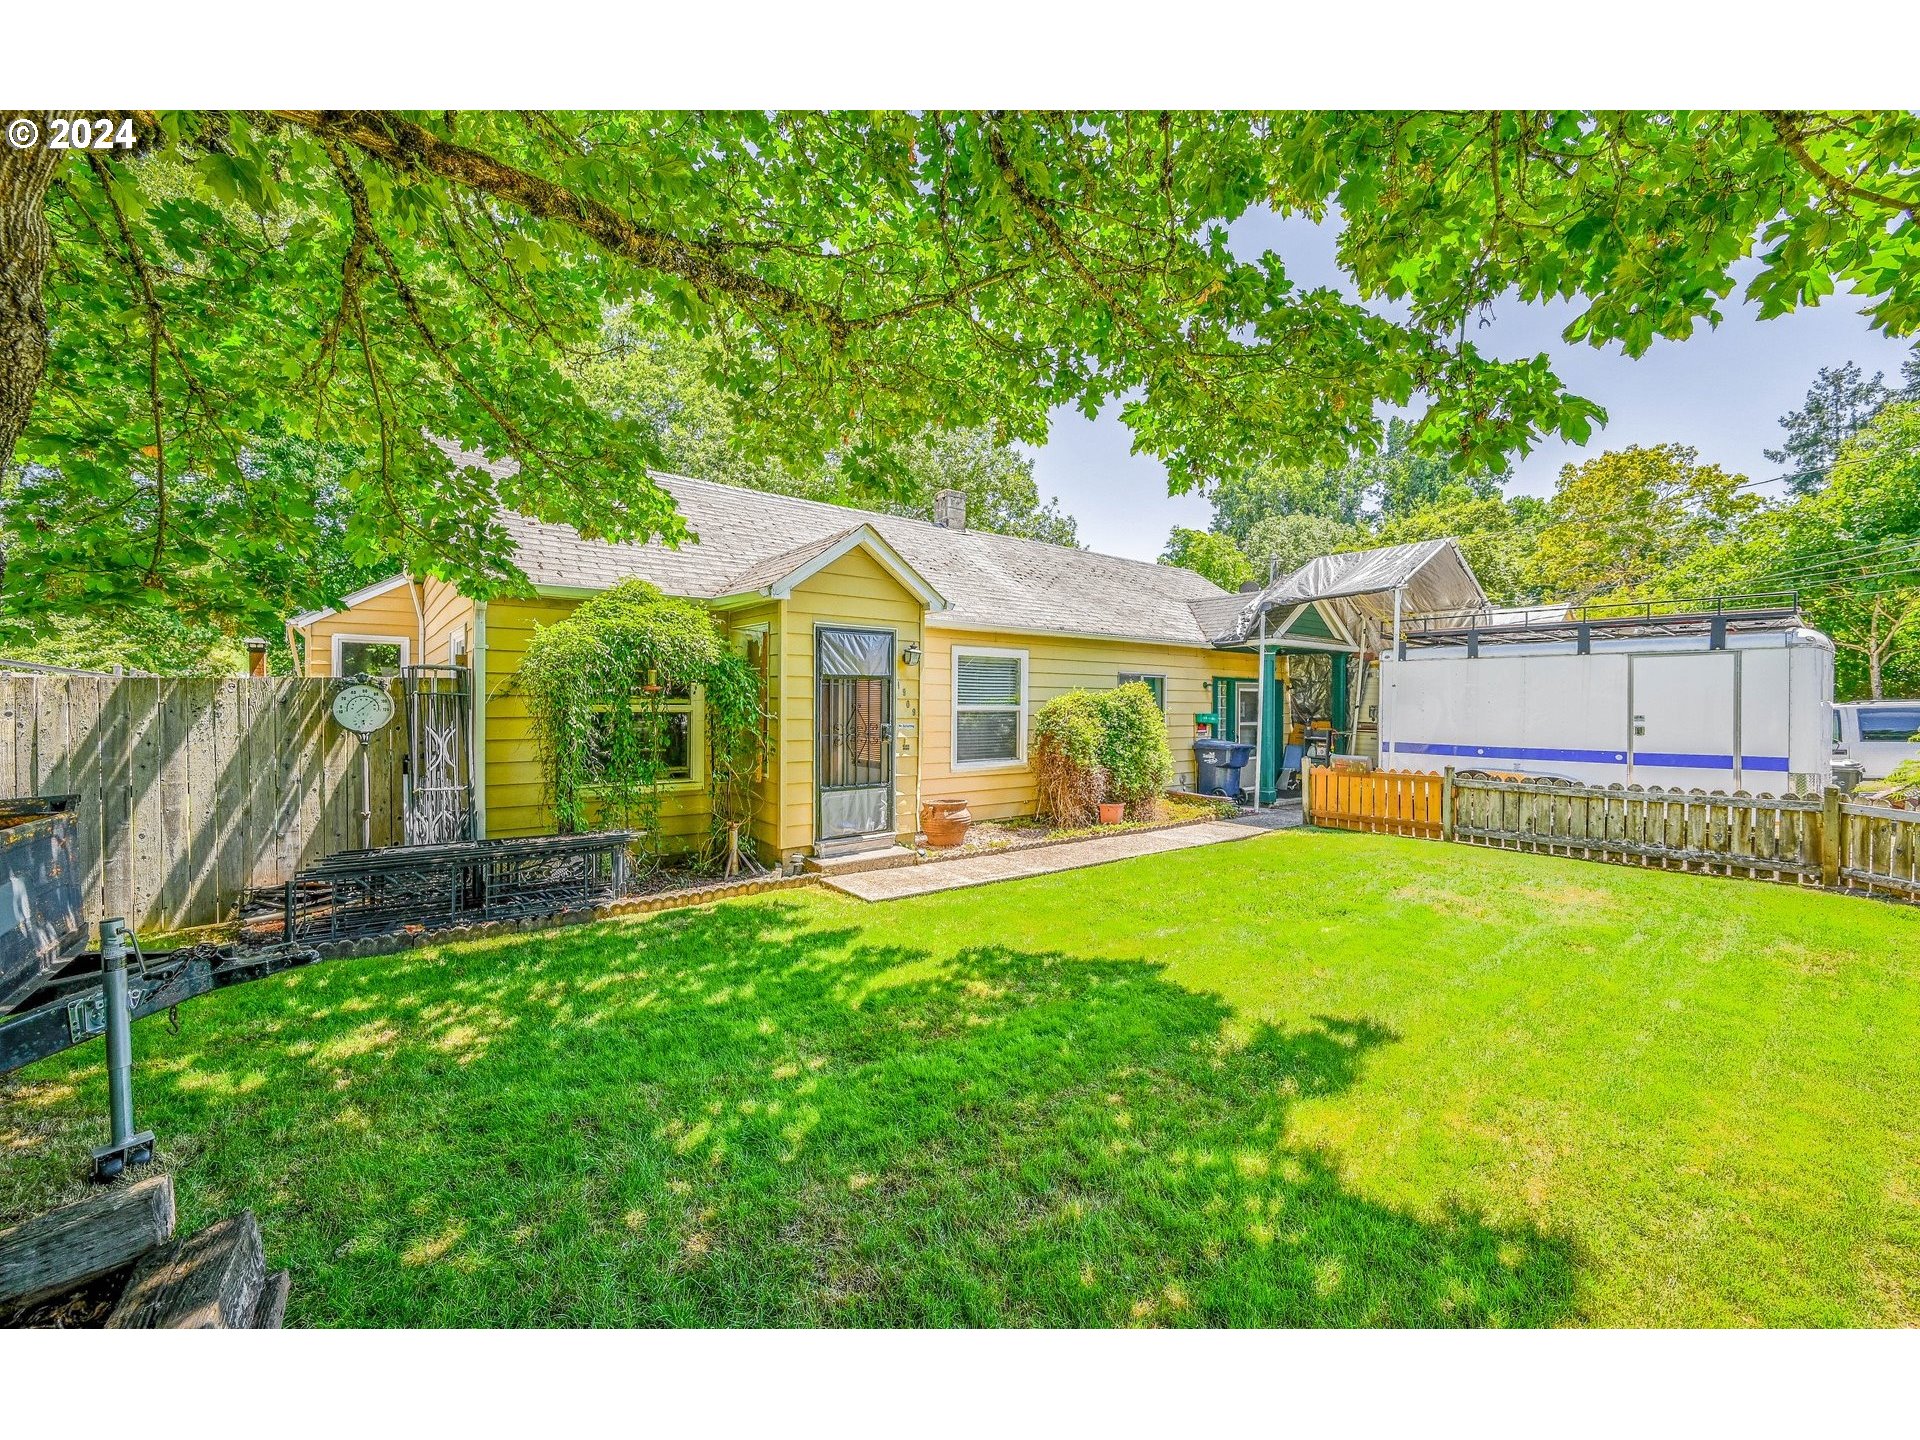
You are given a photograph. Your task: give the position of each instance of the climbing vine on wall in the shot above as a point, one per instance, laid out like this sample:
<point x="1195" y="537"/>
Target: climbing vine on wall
<point x="600" y="685"/>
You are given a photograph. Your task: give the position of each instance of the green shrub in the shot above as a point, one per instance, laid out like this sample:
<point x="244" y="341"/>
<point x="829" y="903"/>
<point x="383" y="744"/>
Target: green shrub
<point x="1133" y="748"/>
<point x="1094" y="745"/>
<point x="1065" y="749"/>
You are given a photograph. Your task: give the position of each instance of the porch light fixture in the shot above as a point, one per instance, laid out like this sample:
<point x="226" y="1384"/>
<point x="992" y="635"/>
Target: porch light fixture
<point x="910" y="655"/>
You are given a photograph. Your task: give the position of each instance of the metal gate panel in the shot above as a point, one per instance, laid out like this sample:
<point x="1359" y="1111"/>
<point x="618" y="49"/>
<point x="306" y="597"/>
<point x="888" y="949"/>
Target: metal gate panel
<point x="439" y="782"/>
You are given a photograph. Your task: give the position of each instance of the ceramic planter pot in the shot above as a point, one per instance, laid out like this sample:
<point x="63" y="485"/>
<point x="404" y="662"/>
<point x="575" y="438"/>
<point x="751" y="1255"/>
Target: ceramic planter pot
<point x="945" y="822"/>
<point x="1112" y="812"/>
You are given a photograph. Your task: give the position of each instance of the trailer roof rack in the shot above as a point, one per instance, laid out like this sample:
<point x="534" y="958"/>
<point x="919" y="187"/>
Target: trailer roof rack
<point x="1715" y="615"/>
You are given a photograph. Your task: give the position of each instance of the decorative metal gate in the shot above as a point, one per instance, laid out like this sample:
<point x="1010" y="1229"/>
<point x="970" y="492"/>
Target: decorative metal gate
<point x="439" y="780"/>
<point x="853" y="728"/>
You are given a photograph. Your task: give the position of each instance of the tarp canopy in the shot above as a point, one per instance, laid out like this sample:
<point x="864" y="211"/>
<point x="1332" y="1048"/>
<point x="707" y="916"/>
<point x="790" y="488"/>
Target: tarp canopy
<point x="1356" y="590"/>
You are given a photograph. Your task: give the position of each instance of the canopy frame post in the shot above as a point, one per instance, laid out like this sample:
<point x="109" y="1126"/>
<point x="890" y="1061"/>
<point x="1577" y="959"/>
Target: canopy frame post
<point x="1260" y="721"/>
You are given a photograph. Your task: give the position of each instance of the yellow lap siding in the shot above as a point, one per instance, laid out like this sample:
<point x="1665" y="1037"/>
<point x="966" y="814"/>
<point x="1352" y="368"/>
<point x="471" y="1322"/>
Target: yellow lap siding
<point x="1056" y="664"/>
<point x="448" y="614"/>
<point x="387" y="616"/>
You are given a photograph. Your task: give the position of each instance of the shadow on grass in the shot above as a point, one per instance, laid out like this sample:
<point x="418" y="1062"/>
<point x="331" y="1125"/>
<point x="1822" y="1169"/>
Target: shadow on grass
<point x="729" y="1116"/>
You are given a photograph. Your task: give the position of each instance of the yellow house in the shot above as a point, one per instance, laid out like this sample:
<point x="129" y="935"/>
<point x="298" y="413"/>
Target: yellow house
<point x="902" y="658"/>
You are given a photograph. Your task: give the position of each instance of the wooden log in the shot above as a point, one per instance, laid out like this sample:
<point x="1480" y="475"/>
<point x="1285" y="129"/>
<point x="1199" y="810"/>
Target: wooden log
<point x="271" y="1312"/>
<point x="65" y="1248"/>
<point x="210" y="1281"/>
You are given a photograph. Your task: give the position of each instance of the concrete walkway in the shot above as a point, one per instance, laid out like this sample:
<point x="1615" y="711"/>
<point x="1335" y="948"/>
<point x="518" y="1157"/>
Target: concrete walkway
<point x="934" y="875"/>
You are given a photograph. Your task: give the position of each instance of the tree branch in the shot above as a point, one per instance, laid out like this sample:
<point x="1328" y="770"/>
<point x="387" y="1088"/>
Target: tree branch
<point x="1837" y="186"/>
<point x="406" y="146"/>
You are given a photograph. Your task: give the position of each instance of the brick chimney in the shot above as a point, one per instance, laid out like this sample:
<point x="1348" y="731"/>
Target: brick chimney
<point x="256" y="655"/>
<point x="950" y="509"/>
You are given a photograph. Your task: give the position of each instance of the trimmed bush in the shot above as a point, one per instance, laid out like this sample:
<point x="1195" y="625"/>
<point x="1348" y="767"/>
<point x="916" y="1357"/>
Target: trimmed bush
<point x="1094" y="745"/>
<point x="1065" y="744"/>
<point x="1133" y="748"/>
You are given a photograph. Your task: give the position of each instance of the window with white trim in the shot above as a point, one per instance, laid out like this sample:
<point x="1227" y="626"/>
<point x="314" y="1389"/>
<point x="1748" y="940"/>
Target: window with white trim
<point x="677" y="738"/>
<point x="989" y="706"/>
<point x="374" y="655"/>
<point x="1156" y="683"/>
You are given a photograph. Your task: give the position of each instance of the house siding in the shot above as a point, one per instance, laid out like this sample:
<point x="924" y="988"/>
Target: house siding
<point x="449" y="614"/>
<point x="854" y="590"/>
<point x="766" y="619"/>
<point x="390" y="616"/>
<point x="1056" y="664"/>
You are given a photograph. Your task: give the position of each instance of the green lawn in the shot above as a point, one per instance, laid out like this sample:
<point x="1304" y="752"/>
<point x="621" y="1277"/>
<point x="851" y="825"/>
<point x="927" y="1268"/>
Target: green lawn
<point x="1305" y="1079"/>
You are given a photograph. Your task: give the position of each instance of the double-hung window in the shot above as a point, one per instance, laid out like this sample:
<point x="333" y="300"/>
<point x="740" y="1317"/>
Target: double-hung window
<point x="1156" y="683"/>
<point x="989" y="707"/>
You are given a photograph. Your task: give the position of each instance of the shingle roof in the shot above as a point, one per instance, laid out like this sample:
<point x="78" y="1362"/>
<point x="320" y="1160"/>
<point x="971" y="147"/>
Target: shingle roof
<point x="990" y="581"/>
<point x="774" y="569"/>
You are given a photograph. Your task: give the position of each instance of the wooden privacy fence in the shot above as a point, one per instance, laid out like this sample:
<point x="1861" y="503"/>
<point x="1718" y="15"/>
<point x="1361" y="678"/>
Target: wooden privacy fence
<point x="1831" y="841"/>
<point x="1880" y="848"/>
<point x="193" y="791"/>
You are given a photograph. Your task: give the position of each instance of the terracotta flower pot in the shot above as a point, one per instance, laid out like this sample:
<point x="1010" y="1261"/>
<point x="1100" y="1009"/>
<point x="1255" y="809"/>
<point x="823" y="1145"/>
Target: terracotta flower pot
<point x="1112" y="812"/>
<point x="945" y="822"/>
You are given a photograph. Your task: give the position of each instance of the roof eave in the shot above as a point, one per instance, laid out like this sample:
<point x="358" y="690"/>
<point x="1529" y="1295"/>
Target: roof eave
<point x="348" y="601"/>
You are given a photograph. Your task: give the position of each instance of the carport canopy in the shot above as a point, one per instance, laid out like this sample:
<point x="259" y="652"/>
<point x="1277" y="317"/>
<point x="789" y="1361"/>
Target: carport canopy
<point x="1357" y="591"/>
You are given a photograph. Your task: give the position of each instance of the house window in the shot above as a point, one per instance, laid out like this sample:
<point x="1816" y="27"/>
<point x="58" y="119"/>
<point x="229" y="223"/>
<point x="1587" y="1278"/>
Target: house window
<point x="1156" y="683"/>
<point x="989" y="707"/>
<point x="369" y="655"/>
<point x="676" y="738"/>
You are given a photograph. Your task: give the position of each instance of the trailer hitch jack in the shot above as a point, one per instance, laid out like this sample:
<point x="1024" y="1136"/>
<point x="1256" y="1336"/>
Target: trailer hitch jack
<point x="125" y="1147"/>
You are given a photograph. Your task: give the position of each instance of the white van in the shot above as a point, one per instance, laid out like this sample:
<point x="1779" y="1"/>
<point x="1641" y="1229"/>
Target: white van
<point x="1877" y="735"/>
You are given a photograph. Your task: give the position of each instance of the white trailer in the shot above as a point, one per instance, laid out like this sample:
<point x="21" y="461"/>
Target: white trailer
<point x="1711" y="706"/>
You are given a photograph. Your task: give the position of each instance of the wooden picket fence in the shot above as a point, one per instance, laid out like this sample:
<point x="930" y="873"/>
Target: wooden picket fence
<point x="193" y="791"/>
<point x="1828" y="841"/>
<point x="1880" y="849"/>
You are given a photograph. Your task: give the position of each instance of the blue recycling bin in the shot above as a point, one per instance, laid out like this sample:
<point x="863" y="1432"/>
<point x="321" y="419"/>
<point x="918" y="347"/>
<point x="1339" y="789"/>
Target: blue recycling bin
<point x="1218" y="764"/>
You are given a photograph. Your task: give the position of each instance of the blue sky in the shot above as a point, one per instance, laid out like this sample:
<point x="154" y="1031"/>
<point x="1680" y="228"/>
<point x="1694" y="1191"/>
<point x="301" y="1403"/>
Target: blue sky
<point x="1722" y="391"/>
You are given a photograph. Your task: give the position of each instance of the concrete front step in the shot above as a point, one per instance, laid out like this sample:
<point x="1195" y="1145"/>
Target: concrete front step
<point x="859" y="862"/>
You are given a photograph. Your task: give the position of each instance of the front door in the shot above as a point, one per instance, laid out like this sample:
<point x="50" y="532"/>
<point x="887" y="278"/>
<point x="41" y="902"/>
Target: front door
<point x="853" y="732"/>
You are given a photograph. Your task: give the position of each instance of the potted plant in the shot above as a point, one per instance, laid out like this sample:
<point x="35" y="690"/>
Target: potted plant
<point x="945" y="822"/>
<point x="1112" y="812"/>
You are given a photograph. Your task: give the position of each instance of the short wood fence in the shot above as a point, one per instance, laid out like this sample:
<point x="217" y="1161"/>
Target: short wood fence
<point x="1830" y="841"/>
<point x="193" y="792"/>
<point x="1386" y="802"/>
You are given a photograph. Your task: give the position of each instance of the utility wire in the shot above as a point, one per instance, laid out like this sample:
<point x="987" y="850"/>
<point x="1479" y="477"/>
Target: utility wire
<point x="1836" y="568"/>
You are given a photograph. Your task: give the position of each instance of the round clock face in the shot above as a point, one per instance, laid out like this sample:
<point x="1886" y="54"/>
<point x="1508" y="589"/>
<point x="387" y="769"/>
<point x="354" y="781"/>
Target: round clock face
<point x="362" y="708"/>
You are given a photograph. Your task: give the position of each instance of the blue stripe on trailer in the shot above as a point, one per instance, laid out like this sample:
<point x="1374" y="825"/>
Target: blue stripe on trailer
<point x="1671" y="759"/>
